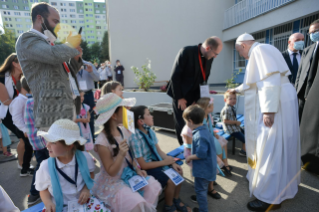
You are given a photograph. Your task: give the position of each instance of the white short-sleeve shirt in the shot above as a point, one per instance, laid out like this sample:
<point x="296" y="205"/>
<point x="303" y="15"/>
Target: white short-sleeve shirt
<point x="70" y="192"/>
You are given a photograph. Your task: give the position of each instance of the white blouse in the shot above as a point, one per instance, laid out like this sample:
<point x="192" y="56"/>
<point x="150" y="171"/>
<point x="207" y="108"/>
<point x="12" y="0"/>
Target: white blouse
<point x="70" y="191"/>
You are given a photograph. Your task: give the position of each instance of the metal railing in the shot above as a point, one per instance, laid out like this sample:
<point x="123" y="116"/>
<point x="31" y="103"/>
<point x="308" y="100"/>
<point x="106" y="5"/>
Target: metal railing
<point x="248" y="9"/>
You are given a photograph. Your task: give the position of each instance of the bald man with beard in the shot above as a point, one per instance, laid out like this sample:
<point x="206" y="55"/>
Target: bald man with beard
<point x="293" y="54"/>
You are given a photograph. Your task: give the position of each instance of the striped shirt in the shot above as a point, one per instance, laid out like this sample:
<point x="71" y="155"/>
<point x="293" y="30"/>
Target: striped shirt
<point x="37" y="142"/>
<point x="229" y="113"/>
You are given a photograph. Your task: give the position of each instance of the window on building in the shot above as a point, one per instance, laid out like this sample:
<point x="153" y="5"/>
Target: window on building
<point x="81" y="11"/>
<point x="103" y="11"/>
<point x="72" y="10"/>
<point x="104" y="27"/>
<point x="28" y="25"/>
<point x="8" y="25"/>
<point x="97" y="22"/>
<point x="81" y="16"/>
<point x="7" y="19"/>
<point x="89" y="15"/>
<point x="81" y="22"/>
<point x="28" y="20"/>
<point x="15" y="1"/>
<point x="97" y="6"/>
<point x="97" y="16"/>
<point x="18" y="19"/>
<point x="19" y="25"/>
<point x="304" y="28"/>
<point x="103" y="5"/>
<point x="281" y="36"/>
<point x="5" y="6"/>
<point x="16" y="7"/>
<point x="71" y="4"/>
<point x="17" y="13"/>
<point x="99" y="33"/>
<point x="91" y="42"/>
<point x="20" y="31"/>
<point x="73" y="21"/>
<point x="62" y="4"/>
<point x="26" y="8"/>
<point x="72" y="16"/>
<point x="98" y="11"/>
<point x="80" y="5"/>
<point x="64" y="21"/>
<point x="74" y="27"/>
<point x="25" y="1"/>
<point x="86" y="3"/>
<point x="89" y="4"/>
<point x="4" y="0"/>
<point x="104" y="16"/>
<point x="54" y="4"/>
<point x="98" y="27"/>
<point x="27" y="14"/>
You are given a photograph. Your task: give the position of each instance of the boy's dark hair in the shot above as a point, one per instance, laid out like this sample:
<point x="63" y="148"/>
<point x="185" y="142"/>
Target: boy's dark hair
<point x="194" y="113"/>
<point x="18" y="86"/>
<point x="139" y="112"/>
<point x="24" y="84"/>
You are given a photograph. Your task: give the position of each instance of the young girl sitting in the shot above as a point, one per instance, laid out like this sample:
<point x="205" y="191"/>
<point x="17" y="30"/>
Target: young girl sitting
<point x="152" y="159"/>
<point x="66" y="177"/>
<point x="83" y="120"/>
<point x="207" y="104"/>
<point x="112" y="87"/>
<point x="117" y="161"/>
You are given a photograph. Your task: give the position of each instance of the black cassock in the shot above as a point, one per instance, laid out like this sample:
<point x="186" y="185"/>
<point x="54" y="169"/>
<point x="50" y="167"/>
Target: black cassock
<point x="309" y="127"/>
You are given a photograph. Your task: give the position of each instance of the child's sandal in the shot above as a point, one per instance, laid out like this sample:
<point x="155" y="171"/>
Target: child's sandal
<point x="171" y="208"/>
<point x="7" y="154"/>
<point x="177" y="203"/>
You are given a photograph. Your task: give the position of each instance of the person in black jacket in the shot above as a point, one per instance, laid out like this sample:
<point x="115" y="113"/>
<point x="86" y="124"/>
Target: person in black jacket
<point x="292" y="54"/>
<point x="191" y="69"/>
<point x="308" y="69"/>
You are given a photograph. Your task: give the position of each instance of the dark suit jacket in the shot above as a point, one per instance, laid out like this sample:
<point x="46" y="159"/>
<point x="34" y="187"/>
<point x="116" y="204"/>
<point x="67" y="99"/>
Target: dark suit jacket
<point x="293" y="75"/>
<point x="187" y="76"/>
<point x="301" y="81"/>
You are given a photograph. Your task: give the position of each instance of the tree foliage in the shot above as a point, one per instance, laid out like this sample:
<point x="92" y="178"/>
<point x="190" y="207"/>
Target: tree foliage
<point x="7" y="44"/>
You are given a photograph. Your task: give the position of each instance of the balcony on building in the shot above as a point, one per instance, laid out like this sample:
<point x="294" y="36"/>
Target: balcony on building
<point x="245" y="10"/>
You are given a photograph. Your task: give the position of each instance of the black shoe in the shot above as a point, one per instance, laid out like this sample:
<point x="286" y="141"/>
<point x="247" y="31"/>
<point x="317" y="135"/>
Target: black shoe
<point x="195" y="209"/>
<point x="242" y="153"/>
<point x="33" y="199"/>
<point x="258" y="205"/>
<point x="226" y="171"/>
<point x="25" y="173"/>
<point x="214" y="195"/>
<point x="194" y="198"/>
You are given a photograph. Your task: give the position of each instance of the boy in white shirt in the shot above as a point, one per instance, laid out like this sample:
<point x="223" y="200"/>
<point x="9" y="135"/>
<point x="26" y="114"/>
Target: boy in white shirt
<point x="16" y="109"/>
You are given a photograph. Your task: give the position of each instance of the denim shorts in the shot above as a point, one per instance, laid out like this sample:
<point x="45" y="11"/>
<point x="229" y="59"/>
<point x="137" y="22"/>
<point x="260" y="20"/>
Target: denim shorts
<point x="159" y="175"/>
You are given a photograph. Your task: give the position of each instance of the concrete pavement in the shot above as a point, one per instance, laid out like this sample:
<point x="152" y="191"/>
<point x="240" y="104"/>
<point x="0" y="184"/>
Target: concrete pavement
<point x="234" y="190"/>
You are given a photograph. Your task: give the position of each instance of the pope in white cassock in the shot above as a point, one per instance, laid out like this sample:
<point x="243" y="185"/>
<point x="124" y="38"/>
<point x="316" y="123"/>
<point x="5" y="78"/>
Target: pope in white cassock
<point x="271" y="125"/>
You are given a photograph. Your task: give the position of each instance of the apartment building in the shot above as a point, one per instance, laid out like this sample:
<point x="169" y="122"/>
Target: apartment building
<point x="88" y="14"/>
<point x="159" y="29"/>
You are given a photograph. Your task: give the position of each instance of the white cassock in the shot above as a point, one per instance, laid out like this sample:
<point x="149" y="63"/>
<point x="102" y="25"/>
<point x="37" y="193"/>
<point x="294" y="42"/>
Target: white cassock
<point x="273" y="154"/>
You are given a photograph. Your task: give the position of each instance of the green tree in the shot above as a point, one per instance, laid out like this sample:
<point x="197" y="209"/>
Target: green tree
<point x="95" y="50"/>
<point x="105" y="47"/>
<point x="86" y="50"/>
<point x="7" y="44"/>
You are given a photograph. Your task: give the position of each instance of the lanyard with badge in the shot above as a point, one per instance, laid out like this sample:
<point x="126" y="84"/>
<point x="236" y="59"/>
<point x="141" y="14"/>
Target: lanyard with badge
<point x="136" y="182"/>
<point x="74" y="87"/>
<point x="204" y="89"/>
<point x="170" y="172"/>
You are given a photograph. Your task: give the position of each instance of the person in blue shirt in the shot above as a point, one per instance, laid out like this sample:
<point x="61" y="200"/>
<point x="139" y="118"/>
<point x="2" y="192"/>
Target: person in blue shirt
<point x="203" y="155"/>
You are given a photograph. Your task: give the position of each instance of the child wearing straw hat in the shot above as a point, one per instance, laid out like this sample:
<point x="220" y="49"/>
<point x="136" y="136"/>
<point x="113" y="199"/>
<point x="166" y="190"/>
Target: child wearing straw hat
<point x="65" y="179"/>
<point x="117" y="163"/>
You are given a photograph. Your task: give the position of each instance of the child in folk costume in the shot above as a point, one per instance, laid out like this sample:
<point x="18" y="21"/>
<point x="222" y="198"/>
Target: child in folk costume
<point x="207" y="104"/>
<point x="117" y="163"/>
<point x="152" y="159"/>
<point x="66" y="177"/>
<point x="83" y="120"/>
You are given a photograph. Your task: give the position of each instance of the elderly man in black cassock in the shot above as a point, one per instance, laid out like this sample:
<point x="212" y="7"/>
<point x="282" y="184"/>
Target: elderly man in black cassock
<point x="191" y="70"/>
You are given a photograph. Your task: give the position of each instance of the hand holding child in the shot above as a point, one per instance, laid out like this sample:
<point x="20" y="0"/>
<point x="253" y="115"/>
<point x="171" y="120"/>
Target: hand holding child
<point x="84" y="195"/>
<point x="123" y="148"/>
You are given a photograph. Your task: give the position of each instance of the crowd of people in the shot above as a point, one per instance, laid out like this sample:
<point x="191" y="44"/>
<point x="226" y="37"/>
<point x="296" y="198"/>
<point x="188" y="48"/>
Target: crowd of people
<point x="47" y="101"/>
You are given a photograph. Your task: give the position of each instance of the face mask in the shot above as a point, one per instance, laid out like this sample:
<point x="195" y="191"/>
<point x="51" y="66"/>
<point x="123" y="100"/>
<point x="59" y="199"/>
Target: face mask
<point x="314" y="37"/>
<point x="48" y="33"/>
<point x="298" y="45"/>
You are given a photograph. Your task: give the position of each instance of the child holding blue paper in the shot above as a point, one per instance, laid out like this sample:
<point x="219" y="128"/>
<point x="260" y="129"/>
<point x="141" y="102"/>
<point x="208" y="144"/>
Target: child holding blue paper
<point x="203" y="155"/>
<point x="65" y="179"/>
<point x="117" y="164"/>
<point x="151" y="158"/>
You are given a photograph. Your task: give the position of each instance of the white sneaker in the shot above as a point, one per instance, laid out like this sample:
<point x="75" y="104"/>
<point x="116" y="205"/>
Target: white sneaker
<point x="20" y="167"/>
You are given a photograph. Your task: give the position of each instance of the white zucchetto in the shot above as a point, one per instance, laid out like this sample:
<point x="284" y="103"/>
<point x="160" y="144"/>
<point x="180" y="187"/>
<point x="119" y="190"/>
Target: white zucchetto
<point x="244" y="37"/>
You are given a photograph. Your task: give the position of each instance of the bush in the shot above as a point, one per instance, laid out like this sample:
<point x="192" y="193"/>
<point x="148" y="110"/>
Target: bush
<point x="230" y="83"/>
<point x="144" y="78"/>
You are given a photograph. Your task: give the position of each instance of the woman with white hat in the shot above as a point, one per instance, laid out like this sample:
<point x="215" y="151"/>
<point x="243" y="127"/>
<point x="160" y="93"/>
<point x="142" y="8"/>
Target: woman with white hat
<point x="65" y="179"/>
<point x="117" y="163"/>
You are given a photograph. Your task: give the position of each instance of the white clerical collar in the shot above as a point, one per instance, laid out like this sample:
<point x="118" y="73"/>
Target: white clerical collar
<point x="291" y="52"/>
<point x="61" y="165"/>
<point x="40" y="34"/>
<point x="252" y="47"/>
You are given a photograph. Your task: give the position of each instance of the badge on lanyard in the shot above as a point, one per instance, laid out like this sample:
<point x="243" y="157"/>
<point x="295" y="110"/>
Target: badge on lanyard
<point x="174" y="176"/>
<point x="204" y="88"/>
<point x="137" y="182"/>
<point x="83" y="86"/>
